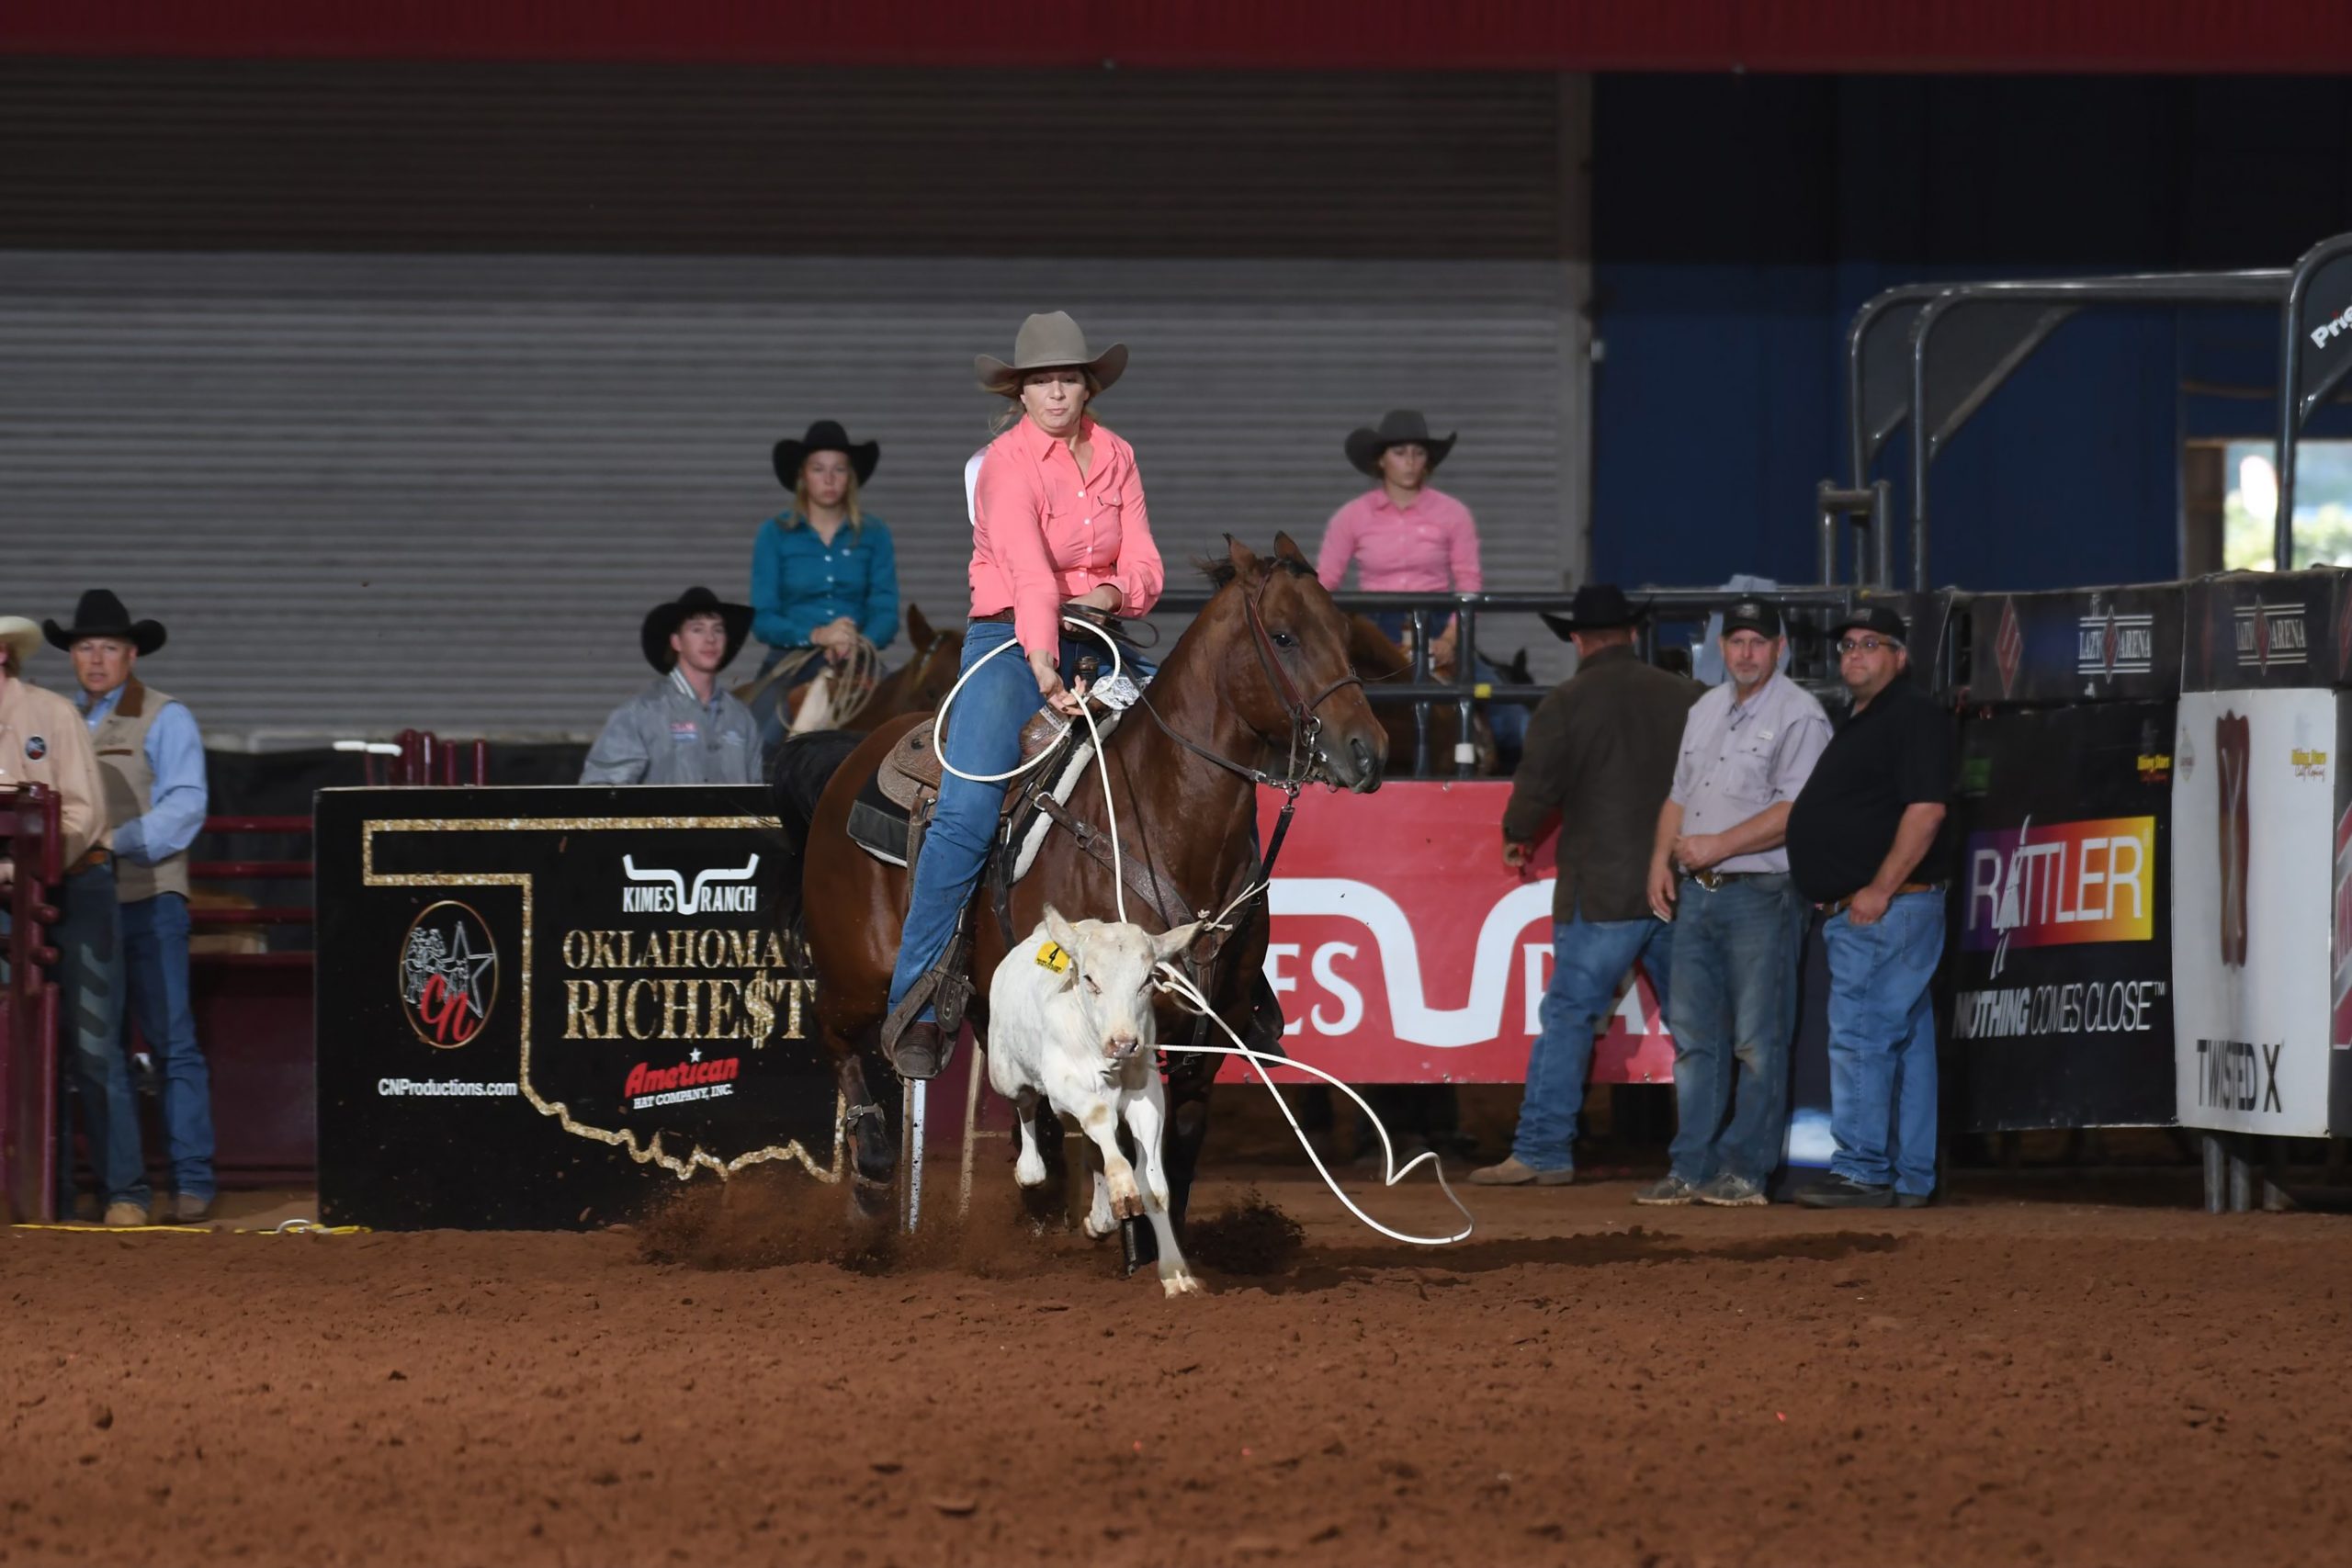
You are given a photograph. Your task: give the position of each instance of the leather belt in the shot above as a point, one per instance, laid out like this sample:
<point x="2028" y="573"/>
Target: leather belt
<point x="1715" y="881"/>
<point x="1838" y="907"/>
<point x="1002" y="617"/>
<point x="93" y="856"/>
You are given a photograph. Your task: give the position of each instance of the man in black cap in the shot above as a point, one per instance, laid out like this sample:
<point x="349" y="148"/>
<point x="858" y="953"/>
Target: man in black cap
<point x="1719" y="871"/>
<point x="1600" y="753"/>
<point x="683" y="728"/>
<point x="1868" y="844"/>
<point x="151" y="756"/>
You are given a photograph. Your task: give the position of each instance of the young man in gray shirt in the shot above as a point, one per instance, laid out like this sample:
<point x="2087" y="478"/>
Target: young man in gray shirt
<point x="683" y="729"/>
<point x="1719" y="871"/>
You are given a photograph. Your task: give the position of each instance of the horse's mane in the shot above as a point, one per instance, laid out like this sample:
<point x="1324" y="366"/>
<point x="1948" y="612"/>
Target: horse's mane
<point x="1222" y="570"/>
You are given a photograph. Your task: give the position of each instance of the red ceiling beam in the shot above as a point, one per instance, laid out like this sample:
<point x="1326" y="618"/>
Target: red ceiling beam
<point x="2154" y="36"/>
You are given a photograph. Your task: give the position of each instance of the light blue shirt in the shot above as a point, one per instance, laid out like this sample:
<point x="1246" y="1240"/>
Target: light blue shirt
<point x="176" y="756"/>
<point x="1741" y="759"/>
<point x="800" y="582"/>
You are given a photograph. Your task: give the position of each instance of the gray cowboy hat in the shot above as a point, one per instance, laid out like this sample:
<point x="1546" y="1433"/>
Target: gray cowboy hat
<point x="1398" y="428"/>
<point x="1049" y="340"/>
<point x="100" y="613"/>
<point x="1598" y="607"/>
<point x="664" y="619"/>
<point x="825" y="435"/>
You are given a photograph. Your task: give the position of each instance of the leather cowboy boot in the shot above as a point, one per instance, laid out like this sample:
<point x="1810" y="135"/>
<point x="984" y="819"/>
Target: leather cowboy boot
<point x="920" y="1052"/>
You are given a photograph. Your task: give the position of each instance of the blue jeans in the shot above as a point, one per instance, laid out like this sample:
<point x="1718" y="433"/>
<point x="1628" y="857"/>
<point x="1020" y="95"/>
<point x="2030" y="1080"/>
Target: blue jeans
<point x="97" y="1076"/>
<point x="1883" y="1043"/>
<point x="1588" y="957"/>
<point x="1736" y="953"/>
<point x="154" y="962"/>
<point x="983" y="736"/>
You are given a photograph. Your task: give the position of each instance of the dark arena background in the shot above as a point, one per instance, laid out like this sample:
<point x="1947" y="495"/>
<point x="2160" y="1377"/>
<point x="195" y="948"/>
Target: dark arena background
<point x="398" y="358"/>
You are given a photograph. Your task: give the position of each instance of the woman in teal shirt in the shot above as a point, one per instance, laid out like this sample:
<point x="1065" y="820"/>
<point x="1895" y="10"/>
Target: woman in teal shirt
<point x="824" y="574"/>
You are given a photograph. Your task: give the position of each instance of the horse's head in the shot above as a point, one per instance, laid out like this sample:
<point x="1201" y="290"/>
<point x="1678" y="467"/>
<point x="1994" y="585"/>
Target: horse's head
<point x="1289" y="672"/>
<point x="938" y="656"/>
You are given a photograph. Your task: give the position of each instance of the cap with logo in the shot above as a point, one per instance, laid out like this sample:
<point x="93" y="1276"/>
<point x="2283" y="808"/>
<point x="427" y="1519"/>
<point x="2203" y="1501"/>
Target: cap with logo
<point x="1752" y="615"/>
<point x="1879" y="618"/>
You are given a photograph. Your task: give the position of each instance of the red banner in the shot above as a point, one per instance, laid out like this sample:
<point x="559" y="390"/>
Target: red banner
<point x="1404" y="953"/>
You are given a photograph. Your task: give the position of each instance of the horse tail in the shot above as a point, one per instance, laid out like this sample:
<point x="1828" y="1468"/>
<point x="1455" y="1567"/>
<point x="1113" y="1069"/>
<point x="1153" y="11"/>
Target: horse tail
<point x="804" y="765"/>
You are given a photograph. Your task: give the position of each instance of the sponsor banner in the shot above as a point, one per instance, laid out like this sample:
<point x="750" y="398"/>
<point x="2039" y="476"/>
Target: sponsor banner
<point x="2254" y="796"/>
<point x="2265" y="629"/>
<point x="2092" y="643"/>
<point x="1404" y="953"/>
<point x="2326" y="326"/>
<point x="535" y="1007"/>
<point x="2062" y="1006"/>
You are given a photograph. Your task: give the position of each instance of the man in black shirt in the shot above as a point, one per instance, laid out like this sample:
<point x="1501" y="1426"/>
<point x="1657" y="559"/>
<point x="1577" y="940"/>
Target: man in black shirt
<point x="1868" y="845"/>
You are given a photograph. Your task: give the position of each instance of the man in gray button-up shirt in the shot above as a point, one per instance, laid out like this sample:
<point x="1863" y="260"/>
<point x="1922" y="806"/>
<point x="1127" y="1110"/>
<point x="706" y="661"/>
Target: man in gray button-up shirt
<point x="1718" y="870"/>
<point x="683" y="729"/>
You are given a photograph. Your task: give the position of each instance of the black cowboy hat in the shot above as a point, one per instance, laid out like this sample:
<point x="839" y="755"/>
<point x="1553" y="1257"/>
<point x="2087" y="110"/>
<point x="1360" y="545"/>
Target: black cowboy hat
<point x="825" y="435"/>
<point x="1598" y="607"/>
<point x="100" y="613"/>
<point x="663" y="620"/>
<point x="1398" y="428"/>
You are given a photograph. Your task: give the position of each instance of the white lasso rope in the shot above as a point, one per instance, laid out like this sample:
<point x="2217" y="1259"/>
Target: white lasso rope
<point x="1174" y="983"/>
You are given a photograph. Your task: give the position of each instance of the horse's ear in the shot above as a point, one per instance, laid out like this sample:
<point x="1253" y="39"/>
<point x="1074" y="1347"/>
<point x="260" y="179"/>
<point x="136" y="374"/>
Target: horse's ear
<point x="917" y="628"/>
<point x="1286" y="549"/>
<point x="1244" y="560"/>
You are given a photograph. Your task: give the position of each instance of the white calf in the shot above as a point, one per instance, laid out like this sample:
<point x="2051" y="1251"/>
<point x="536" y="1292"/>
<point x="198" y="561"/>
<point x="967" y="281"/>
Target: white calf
<point x="1070" y="1018"/>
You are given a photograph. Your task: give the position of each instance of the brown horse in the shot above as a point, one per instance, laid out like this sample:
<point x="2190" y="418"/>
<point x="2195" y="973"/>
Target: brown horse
<point x="1378" y="659"/>
<point x="1259" y="685"/>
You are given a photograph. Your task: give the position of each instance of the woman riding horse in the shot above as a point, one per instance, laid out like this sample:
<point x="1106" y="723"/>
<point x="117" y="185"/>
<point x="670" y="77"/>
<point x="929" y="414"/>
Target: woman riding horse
<point x="1058" y="518"/>
<point x="824" y="574"/>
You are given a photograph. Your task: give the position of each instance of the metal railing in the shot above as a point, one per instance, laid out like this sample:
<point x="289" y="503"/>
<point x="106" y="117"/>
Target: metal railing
<point x="31" y="838"/>
<point x="1803" y="606"/>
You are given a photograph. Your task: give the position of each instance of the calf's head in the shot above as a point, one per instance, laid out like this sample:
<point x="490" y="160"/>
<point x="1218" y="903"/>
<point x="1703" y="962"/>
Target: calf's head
<point x="1110" y="976"/>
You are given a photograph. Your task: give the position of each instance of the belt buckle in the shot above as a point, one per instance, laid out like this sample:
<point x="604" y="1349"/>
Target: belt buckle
<point x="1712" y="881"/>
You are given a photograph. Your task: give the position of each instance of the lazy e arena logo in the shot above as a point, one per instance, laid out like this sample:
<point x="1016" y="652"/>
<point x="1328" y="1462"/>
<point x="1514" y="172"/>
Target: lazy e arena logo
<point x="448" y="978"/>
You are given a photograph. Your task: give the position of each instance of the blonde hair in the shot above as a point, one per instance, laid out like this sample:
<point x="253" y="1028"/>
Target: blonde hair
<point x="1009" y="415"/>
<point x="799" y="512"/>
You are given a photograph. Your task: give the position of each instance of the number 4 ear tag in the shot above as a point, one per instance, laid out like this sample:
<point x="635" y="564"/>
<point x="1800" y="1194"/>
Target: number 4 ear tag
<point x="1051" y="956"/>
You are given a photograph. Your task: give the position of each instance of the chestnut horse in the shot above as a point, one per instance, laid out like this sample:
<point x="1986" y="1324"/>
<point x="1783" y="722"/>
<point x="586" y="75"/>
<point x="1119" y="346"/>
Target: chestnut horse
<point x="1377" y="658"/>
<point x="1258" y="690"/>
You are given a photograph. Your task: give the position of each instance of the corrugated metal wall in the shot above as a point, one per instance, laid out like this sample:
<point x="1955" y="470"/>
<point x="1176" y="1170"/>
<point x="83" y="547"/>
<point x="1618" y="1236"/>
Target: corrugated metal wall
<point x="369" y="491"/>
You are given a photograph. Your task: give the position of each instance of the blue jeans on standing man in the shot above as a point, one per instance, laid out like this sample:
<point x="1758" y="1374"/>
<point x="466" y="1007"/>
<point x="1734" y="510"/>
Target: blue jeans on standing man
<point x="1589" y="958"/>
<point x="154" y="966"/>
<point x="1735" y="1015"/>
<point x="96" y="1075"/>
<point x="1883" y="1043"/>
<point x="983" y="736"/>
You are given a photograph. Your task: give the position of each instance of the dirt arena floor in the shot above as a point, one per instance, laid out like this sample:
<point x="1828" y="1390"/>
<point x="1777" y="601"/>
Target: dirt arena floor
<point x="2006" y="1379"/>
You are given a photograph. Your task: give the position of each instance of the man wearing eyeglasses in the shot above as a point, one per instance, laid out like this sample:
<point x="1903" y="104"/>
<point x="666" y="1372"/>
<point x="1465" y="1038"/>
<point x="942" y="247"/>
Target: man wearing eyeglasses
<point x="1868" y="845"/>
<point x="1719" y="871"/>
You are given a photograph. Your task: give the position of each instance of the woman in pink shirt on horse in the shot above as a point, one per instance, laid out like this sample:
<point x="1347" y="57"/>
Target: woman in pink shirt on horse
<point x="1058" y="518"/>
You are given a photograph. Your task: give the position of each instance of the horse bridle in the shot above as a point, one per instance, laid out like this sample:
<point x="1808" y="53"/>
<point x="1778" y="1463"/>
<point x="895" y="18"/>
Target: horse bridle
<point x="1305" y="724"/>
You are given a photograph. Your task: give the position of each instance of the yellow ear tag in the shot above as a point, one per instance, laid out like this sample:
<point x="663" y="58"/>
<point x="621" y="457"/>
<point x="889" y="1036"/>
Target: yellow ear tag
<point x="1051" y="956"/>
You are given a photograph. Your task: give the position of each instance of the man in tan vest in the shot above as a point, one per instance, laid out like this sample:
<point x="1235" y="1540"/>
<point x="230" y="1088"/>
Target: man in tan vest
<point x="43" y="742"/>
<point x="151" y="756"/>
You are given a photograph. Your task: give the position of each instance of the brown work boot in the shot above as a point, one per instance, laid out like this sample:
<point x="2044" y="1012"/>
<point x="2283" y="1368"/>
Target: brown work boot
<point x="188" y="1209"/>
<point x="122" y="1213"/>
<point x="1516" y="1172"/>
<point x="920" y="1052"/>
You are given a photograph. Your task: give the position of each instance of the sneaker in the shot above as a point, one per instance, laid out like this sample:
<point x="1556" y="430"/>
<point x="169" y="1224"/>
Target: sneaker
<point x="122" y="1213"/>
<point x="1728" y="1192"/>
<point x="1845" y="1192"/>
<point x="1914" y="1200"/>
<point x="1516" y="1172"/>
<point x="188" y="1209"/>
<point x="1669" y="1191"/>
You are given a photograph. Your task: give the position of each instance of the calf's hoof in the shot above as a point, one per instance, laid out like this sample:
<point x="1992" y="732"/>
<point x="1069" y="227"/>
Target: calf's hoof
<point x="1029" y="1171"/>
<point x="1183" y="1285"/>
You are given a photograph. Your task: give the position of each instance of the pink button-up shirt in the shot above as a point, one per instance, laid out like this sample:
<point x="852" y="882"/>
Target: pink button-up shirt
<point x="1044" y="533"/>
<point x="1431" y="547"/>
